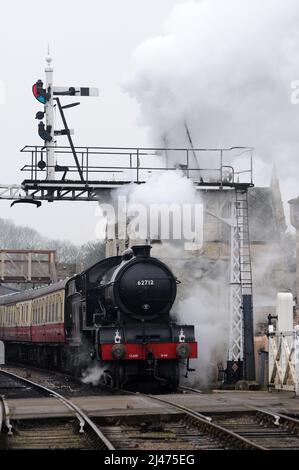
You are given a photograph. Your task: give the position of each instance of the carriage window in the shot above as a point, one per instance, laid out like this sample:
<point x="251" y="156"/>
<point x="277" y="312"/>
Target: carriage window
<point x="59" y="311"/>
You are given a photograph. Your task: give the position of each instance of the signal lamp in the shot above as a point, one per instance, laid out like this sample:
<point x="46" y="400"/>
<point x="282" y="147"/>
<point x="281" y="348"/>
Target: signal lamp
<point x="41" y="165"/>
<point x="39" y="92"/>
<point x="40" y="115"/>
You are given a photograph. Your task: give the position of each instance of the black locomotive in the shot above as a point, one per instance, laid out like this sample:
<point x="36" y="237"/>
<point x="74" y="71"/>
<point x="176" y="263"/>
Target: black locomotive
<point x="126" y="301"/>
<point x="117" y="312"/>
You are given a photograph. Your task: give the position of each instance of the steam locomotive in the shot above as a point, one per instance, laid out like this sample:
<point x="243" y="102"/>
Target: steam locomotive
<point x="117" y="312"/>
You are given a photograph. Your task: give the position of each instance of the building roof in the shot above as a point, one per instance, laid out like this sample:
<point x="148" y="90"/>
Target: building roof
<point x="12" y="297"/>
<point x="7" y="290"/>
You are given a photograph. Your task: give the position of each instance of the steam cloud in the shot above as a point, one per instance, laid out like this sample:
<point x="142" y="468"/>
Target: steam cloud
<point x="203" y="292"/>
<point x="92" y="375"/>
<point x="225" y="68"/>
<point x="164" y="188"/>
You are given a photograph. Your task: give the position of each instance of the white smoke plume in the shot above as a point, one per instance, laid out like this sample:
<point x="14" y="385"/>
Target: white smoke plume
<point x="225" y="68"/>
<point x="92" y="375"/>
<point x="164" y="188"/>
<point x="203" y="302"/>
<point x="203" y="292"/>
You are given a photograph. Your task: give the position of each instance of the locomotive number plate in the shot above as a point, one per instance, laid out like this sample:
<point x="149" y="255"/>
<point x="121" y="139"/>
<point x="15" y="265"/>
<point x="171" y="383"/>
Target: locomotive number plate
<point x="145" y="282"/>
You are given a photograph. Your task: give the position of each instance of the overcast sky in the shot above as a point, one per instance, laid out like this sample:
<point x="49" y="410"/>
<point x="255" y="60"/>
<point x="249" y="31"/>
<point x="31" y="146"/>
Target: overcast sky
<point x="91" y="43"/>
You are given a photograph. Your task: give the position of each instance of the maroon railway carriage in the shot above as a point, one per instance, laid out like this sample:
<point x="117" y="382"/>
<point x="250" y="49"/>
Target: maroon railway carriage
<point x="116" y="312"/>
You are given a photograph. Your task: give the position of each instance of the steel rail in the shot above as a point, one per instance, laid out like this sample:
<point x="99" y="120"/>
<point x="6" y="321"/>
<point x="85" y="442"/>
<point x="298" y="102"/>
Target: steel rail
<point x="81" y="416"/>
<point x="205" y="423"/>
<point x="279" y="418"/>
<point x="189" y="389"/>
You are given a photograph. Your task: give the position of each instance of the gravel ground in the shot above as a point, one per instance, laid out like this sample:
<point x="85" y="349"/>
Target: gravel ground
<point x="61" y="383"/>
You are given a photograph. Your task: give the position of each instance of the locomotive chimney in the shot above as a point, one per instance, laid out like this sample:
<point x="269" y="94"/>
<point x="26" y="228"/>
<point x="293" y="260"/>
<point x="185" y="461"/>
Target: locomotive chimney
<point x="142" y="250"/>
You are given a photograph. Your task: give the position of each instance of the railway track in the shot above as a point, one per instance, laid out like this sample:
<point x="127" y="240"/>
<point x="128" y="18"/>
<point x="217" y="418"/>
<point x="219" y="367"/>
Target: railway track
<point x="255" y="428"/>
<point x="264" y="428"/>
<point x="85" y="434"/>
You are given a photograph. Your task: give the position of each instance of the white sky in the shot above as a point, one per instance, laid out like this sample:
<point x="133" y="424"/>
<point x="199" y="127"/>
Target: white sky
<point x="91" y="43"/>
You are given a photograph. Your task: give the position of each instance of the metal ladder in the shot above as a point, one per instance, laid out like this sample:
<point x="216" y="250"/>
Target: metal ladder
<point x="245" y="280"/>
<point x="243" y="229"/>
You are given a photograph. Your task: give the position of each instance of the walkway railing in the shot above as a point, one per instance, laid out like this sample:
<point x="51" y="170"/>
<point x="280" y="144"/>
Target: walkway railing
<point x="226" y="165"/>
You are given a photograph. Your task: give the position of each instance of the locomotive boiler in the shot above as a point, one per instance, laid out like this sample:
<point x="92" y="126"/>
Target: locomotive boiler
<point x="116" y="313"/>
